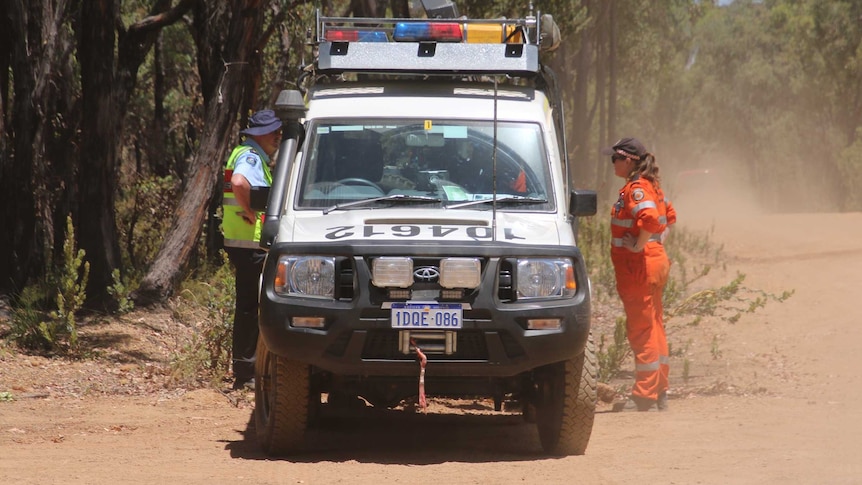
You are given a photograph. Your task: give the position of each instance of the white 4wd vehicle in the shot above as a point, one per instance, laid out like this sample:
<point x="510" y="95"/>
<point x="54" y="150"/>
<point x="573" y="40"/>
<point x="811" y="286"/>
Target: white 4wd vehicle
<point x="420" y="224"/>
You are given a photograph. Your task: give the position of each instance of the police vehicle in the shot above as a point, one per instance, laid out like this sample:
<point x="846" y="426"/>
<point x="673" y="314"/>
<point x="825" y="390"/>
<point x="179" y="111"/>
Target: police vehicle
<point x="421" y="232"/>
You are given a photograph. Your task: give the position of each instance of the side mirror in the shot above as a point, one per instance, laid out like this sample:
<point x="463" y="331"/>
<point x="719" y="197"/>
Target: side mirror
<point x="583" y="203"/>
<point x="259" y="198"/>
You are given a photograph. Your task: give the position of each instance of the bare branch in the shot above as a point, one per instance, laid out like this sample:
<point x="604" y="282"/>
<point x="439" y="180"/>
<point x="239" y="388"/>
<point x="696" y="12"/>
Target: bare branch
<point x="277" y="20"/>
<point x="157" y="21"/>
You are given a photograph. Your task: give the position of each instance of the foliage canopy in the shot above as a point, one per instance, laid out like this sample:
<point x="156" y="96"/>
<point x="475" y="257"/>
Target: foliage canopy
<point x="109" y="115"/>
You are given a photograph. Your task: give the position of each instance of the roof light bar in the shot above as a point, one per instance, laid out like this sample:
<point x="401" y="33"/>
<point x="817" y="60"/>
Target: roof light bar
<point x="433" y="46"/>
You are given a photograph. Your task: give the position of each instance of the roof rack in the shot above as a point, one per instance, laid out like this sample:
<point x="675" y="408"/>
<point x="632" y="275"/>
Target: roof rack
<point x="428" y="46"/>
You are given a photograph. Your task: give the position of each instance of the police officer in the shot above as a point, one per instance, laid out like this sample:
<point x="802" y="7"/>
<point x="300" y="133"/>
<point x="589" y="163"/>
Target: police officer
<point x="639" y="223"/>
<point x="249" y="165"/>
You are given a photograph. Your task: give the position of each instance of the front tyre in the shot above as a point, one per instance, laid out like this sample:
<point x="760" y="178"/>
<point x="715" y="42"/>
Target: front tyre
<point x="565" y="403"/>
<point x="281" y="402"/>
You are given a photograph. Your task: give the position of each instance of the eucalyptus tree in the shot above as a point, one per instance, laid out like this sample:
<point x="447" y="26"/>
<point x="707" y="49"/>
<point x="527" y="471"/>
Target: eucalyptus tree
<point x="776" y="94"/>
<point x="237" y="49"/>
<point x="830" y="33"/>
<point x="227" y="36"/>
<point x="110" y="55"/>
<point x="74" y="65"/>
<point x="38" y="93"/>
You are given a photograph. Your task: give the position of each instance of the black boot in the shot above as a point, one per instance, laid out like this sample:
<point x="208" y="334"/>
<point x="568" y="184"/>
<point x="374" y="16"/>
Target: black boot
<point x="635" y="403"/>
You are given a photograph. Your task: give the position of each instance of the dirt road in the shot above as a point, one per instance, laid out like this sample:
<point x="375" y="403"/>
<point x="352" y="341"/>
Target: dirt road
<point x="778" y="400"/>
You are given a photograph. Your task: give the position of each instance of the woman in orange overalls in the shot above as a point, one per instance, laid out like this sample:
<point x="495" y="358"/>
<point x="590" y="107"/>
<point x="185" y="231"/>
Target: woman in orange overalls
<point x="639" y="224"/>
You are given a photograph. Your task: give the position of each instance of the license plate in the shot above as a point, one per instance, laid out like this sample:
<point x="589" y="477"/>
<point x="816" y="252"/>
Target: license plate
<point x="427" y="315"/>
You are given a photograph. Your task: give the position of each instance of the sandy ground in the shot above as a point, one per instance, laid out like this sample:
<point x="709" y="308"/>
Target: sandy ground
<point x="773" y="398"/>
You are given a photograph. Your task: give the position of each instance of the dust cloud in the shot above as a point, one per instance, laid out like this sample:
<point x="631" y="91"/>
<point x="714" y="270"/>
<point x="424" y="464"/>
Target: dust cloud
<point x="712" y="187"/>
<point x="731" y="181"/>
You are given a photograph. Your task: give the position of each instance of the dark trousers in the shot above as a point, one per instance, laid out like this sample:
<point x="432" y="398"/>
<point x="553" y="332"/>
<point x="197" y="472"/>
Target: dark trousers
<point x="247" y="264"/>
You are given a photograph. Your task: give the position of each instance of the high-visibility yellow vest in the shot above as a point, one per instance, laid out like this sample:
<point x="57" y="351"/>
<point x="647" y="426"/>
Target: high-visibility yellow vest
<point x="237" y="232"/>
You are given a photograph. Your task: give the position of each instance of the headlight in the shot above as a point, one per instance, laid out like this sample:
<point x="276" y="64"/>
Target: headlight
<point x="312" y="276"/>
<point x="545" y="278"/>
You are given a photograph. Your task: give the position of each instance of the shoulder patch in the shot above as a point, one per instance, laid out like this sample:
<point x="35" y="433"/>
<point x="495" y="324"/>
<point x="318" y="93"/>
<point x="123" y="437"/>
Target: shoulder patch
<point x="251" y="160"/>
<point x="638" y="195"/>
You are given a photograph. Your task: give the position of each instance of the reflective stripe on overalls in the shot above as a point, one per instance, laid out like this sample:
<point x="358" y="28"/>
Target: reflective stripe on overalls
<point x="237" y="232"/>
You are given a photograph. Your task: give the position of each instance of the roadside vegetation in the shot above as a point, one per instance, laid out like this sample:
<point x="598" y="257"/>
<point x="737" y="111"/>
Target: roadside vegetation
<point x="45" y="318"/>
<point x="145" y="99"/>
<point x="116" y="118"/>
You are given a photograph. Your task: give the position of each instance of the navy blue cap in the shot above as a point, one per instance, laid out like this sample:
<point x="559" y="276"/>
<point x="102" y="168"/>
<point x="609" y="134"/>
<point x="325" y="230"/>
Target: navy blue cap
<point x="261" y="123"/>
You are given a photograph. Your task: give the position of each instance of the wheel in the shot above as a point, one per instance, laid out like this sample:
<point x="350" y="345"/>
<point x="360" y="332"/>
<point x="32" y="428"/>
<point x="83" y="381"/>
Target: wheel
<point x="281" y="402"/>
<point x="565" y="403"/>
<point x="359" y="181"/>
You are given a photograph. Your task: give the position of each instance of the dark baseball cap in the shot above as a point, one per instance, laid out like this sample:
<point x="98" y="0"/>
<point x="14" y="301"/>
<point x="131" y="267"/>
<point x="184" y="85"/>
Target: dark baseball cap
<point x="262" y="123"/>
<point x="627" y="147"/>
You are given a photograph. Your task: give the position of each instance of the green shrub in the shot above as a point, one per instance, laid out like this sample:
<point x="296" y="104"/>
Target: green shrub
<point x="206" y="303"/>
<point x="617" y="353"/>
<point x="142" y="210"/>
<point x="594" y="241"/>
<point x="121" y="292"/>
<point x="43" y="315"/>
<point x="728" y="302"/>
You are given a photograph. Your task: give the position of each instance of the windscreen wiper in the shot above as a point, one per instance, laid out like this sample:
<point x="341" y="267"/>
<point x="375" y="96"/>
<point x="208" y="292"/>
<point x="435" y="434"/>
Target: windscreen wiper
<point x="385" y="198"/>
<point x="508" y="200"/>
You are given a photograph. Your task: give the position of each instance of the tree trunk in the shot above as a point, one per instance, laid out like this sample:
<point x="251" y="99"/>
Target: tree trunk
<point x="5" y="66"/>
<point x="400" y="9"/>
<point x="156" y="150"/>
<point x="37" y="44"/>
<point x="601" y="99"/>
<point x="97" y="231"/>
<point x="246" y="17"/>
<point x="580" y="114"/>
<point x="610" y="131"/>
<point x="107" y="82"/>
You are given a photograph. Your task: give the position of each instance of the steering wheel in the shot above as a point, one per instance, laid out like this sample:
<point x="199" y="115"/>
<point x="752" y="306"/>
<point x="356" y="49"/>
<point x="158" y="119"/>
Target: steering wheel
<point x="359" y="181"/>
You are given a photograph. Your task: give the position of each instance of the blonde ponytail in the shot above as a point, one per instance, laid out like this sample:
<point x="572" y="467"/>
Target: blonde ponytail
<point x="647" y="168"/>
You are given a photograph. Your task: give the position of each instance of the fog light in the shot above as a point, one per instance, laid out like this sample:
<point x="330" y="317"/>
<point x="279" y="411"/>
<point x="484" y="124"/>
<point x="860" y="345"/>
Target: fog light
<point x="392" y="272"/>
<point x="399" y="294"/>
<point x="451" y="294"/>
<point x="459" y="272"/>
<point x="307" y="322"/>
<point x="544" y="324"/>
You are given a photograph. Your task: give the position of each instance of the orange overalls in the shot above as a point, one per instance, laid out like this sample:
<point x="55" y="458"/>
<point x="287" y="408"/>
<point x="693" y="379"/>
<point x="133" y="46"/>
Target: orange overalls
<point x="641" y="278"/>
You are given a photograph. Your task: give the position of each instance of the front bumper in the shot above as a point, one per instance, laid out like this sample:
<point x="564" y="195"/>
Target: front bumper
<point x="358" y="339"/>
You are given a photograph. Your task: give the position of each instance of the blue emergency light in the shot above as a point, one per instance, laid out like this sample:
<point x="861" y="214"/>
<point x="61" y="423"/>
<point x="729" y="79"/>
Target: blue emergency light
<point x="427" y="31"/>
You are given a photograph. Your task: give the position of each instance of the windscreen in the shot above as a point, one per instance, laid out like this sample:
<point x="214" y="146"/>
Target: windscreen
<point x="453" y="161"/>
